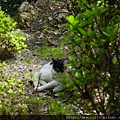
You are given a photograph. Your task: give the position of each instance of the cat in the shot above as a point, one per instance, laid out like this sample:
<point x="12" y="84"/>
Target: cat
<point x="49" y="76"/>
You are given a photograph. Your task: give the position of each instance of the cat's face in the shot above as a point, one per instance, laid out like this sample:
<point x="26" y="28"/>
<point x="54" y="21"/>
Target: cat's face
<point x="58" y="65"/>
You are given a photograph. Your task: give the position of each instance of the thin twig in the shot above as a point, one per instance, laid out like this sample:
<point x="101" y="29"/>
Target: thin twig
<point x="38" y="81"/>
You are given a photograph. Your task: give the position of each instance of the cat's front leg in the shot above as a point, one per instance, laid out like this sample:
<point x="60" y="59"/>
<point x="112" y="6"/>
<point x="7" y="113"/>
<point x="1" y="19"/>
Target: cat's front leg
<point x="42" y="82"/>
<point x="49" y="85"/>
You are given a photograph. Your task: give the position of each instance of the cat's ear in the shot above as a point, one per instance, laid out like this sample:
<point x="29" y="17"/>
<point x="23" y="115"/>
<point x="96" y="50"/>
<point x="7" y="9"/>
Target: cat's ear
<point x="53" y="60"/>
<point x="65" y="62"/>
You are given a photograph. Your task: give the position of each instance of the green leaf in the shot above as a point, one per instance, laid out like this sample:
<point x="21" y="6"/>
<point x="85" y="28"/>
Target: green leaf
<point x="115" y="29"/>
<point x="75" y="22"/>
<point x="102" y="40"/>
<point x="10" y="91"/>
<point x="89" y="32"/>
<point x="82" y="31"/>
<point x="70" y="19"/>
<point x="115" y="61"/>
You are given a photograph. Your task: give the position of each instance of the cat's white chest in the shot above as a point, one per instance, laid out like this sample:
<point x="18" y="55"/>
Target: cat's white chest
<point x="46" y="74"/>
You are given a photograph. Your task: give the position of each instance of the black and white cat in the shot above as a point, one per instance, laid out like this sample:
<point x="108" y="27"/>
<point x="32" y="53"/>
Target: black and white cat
<point x="49" y="76"/>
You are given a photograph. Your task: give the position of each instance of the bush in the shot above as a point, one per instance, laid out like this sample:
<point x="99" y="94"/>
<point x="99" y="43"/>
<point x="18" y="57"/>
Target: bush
<point x="11" y="93"/>
<point x="10" y="41"/>
<point x="14" y="98"/>
<point x="93" y="42"/>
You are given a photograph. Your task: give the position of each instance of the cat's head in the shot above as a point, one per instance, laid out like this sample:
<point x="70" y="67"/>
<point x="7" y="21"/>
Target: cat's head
<point x="59" y="65"/>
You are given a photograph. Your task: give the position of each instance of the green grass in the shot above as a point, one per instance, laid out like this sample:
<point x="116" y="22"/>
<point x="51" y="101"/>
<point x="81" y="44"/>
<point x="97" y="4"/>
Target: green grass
<point x="49" y="51"/>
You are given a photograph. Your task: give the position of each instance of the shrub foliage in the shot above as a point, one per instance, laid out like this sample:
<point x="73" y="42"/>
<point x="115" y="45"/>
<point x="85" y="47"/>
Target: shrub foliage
<point x="11" y="93"/>
<point x="93" y="42"/>
<point x="10" y="41"/>
<point x="14" y="99"/>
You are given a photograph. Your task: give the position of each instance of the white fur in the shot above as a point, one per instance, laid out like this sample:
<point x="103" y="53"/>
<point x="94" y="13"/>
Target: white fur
<point x="46" y="75"/>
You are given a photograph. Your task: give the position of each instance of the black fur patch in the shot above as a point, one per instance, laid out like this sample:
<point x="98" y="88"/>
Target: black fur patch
<point x="58" y="65"/>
